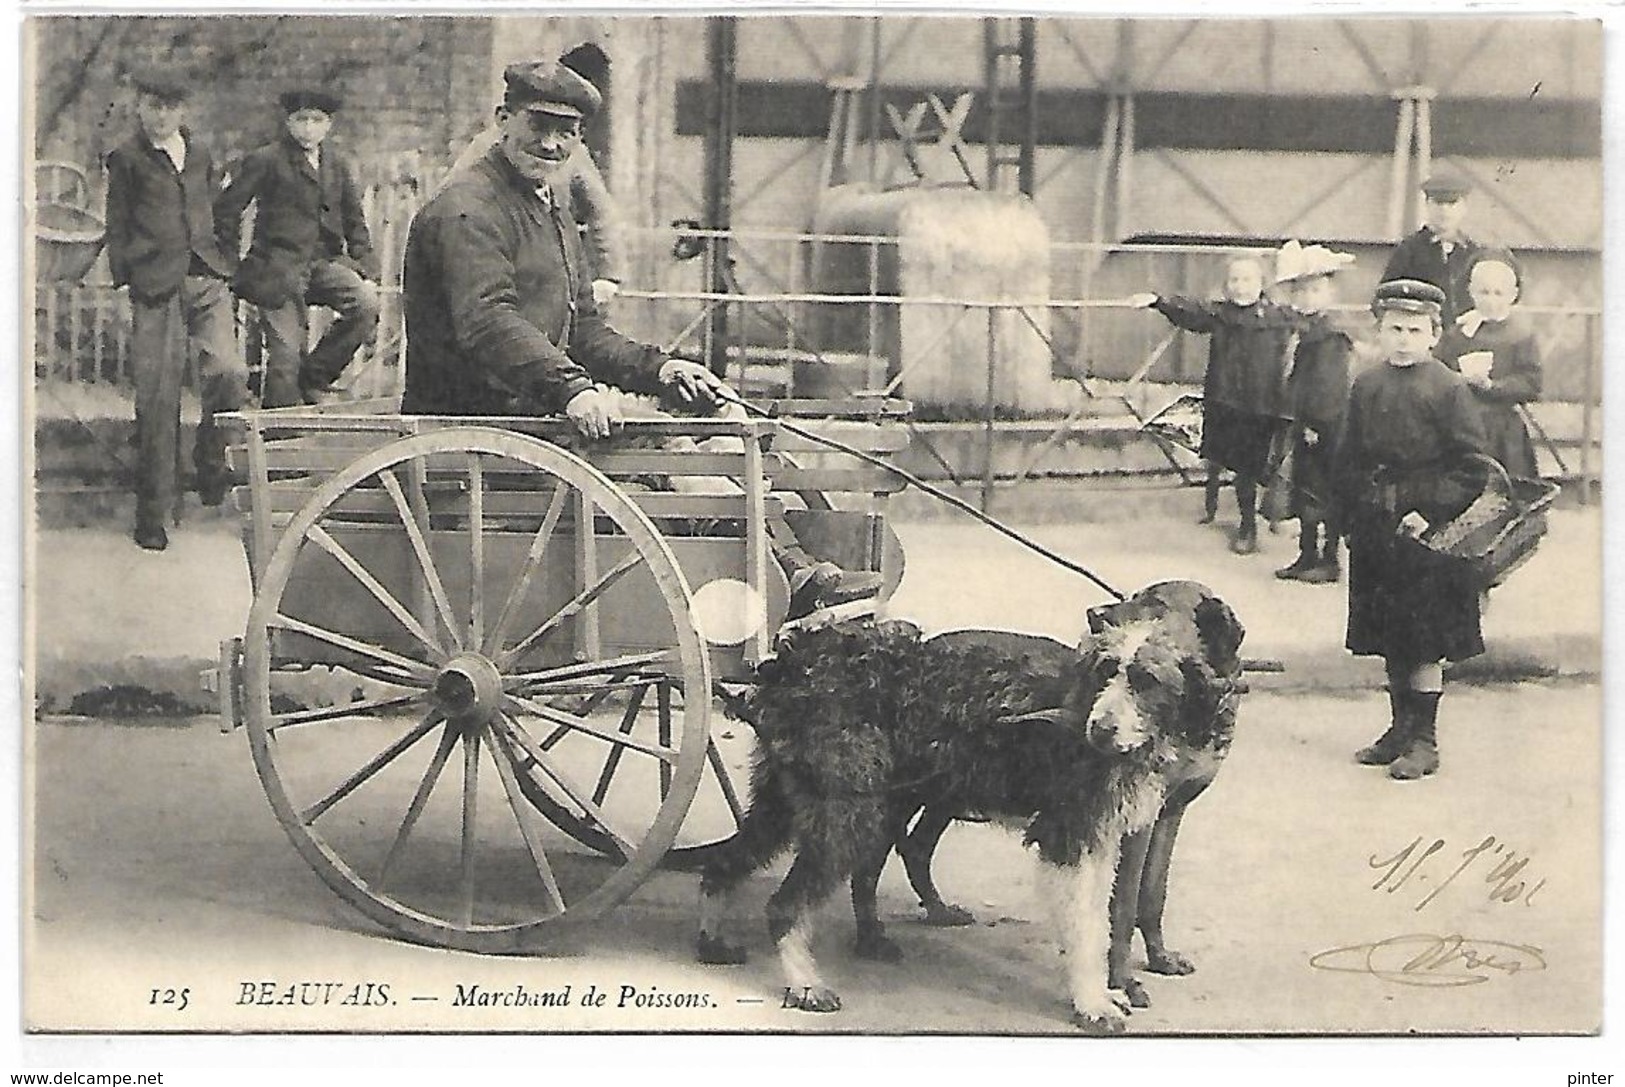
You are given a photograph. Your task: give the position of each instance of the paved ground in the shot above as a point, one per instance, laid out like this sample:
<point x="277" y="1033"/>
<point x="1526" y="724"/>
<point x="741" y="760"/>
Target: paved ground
<point x="159" y="865"/>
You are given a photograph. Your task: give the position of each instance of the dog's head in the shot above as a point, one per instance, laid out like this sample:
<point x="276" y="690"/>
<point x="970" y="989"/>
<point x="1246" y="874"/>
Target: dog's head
<point x="1155" y="670"/>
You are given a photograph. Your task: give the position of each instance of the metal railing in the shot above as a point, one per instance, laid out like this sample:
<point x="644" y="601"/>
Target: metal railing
<point x="841" y="312"/>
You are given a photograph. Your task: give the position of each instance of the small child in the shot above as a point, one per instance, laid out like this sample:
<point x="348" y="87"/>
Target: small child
<point x="1495" y="350"/>
<point x="1317" y="392"/>
<point x="1242" y="394"/>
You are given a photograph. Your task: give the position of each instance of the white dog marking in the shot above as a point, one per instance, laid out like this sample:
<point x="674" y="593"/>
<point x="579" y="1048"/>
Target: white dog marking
<point x="1116" y="711"/>
<point x="1080" y="904"/>
<point x="796" y="961"/>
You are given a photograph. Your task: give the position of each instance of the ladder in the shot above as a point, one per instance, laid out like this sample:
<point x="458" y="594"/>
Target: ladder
<point x="1011" y="97"/>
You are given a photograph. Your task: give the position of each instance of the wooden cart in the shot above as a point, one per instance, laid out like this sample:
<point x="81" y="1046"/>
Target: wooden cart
<point x="537" y="629"/>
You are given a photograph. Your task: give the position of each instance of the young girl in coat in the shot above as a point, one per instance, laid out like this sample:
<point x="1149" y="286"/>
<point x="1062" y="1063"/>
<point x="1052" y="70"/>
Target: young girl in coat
<point x="1494" y="349"/>
<point x="1317" y="393"/>
<point x="1243" y="401"/>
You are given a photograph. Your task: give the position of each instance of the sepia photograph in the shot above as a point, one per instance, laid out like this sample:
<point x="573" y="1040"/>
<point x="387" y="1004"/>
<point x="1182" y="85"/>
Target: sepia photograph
<point x="978" y="523"/>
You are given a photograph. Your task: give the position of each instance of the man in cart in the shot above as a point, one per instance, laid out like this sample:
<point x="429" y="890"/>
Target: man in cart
<point x="500" y="317"/>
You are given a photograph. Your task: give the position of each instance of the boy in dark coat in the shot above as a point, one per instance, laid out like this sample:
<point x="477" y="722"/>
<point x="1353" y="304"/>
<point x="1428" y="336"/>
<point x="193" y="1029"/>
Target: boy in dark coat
<point x="1243" y="398"/>
<point x="311" y="246"/>
<point x="161" y="245"/>
<point x="1495" y="350"/>
<point x="1317" y="393"/>
<point x="1440" y="253"/>
<point x="1406" y="465"/>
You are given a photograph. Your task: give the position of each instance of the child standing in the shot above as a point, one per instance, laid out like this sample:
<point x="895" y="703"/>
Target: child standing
<point x="1406" y="464"/>
<point x="1494" y="349"/>
<point x="1317" y="393"/>
<point x="1243" y="399"/>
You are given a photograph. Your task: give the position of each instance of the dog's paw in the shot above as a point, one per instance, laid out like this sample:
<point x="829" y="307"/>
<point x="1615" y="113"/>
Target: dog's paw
<point x="718" y="951"/>
<point x="1134" y="992"/>
<point x="877" y="946"/>
<point x="1163" y="961"/>
<point x="1102" y="1019"/>
<point x="813" y="998"/>
<point x="945" y="915"/>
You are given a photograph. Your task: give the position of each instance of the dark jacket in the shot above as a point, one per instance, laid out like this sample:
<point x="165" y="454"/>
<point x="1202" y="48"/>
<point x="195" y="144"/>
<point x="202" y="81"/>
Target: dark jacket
<point x="300" y="216"/>
<point x="159" y="220"/>
<point x="498" y="302"/>
<point x="1246" y="363"/>
<point x="1407" y="447"/>
<point x="1318" y="387"/>
<point x="1515" y="378"/>
<point x="591" y="205"/>
<point x="1407" y="440"/>
<point x="1421" y="256"/>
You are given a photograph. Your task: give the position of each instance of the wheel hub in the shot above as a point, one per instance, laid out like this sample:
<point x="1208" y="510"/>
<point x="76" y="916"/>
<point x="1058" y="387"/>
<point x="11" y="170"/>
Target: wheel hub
<point x="469" y="688"/>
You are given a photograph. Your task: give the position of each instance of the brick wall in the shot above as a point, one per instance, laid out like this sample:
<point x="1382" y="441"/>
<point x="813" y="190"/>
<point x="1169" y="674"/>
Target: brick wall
<point x="414" y="87"/>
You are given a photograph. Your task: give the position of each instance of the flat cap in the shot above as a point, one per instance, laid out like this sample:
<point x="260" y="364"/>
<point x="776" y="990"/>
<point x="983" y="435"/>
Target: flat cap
<point x="297" y="98"/>
<point x="548" y="87"/>
<point x="166" y="83"/>
<point x="1408" y="296"/>
<point x="1446" y="183"/>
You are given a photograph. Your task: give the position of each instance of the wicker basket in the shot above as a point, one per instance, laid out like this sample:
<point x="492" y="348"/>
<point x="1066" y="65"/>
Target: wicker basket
<point x="1180" y="423"/>
<point x="1500" y="529"/>
<point x="67" y="241"/>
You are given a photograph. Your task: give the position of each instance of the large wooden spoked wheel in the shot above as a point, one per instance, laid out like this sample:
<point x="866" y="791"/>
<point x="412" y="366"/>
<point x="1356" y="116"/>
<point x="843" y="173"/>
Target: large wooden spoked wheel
<point x="484" y="613"/>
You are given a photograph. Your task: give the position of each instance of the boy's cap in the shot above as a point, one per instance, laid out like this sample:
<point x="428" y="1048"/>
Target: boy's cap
<point x="165" y="83"/>
<point x="1295" y="262"/>
<point x="548" y="87"/>
<point x="1408" y="296"/>
<point x="298" y="98"/>
<point x="1446" y="183"/>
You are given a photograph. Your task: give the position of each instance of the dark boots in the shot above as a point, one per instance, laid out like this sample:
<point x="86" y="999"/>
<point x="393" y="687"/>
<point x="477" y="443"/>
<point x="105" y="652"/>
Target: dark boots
<point x="1210" y="496"/>
<point x="1410" y="747"/>
<point x="1394" y="742"/>
<point x="1245" y="541"/>
<point x="1421" y="757"/>
<point x="1308" y="556"/>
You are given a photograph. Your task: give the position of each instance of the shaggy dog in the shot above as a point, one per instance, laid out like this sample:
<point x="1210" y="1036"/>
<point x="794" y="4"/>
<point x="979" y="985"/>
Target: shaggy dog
<point x="861" y="725"/>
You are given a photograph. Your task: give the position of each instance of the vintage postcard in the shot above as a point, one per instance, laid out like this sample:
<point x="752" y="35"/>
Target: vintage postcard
<point x="532" y="515"/>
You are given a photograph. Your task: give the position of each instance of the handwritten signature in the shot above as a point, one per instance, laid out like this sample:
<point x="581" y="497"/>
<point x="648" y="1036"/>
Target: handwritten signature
<point x="1428" y="961"/>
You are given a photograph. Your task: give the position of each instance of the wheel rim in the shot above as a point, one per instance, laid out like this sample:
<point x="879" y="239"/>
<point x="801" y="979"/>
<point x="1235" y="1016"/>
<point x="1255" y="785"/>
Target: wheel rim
<point x="468" y="863"/>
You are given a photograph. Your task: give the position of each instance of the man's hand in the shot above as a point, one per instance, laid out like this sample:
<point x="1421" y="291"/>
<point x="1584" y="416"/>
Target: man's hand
<point x="595" y="412"/>
<point x="604" y="291"/>
<point x="1412" y="525"/>
<point x="694" y="384"/>
<point x="1310" y="438"/>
